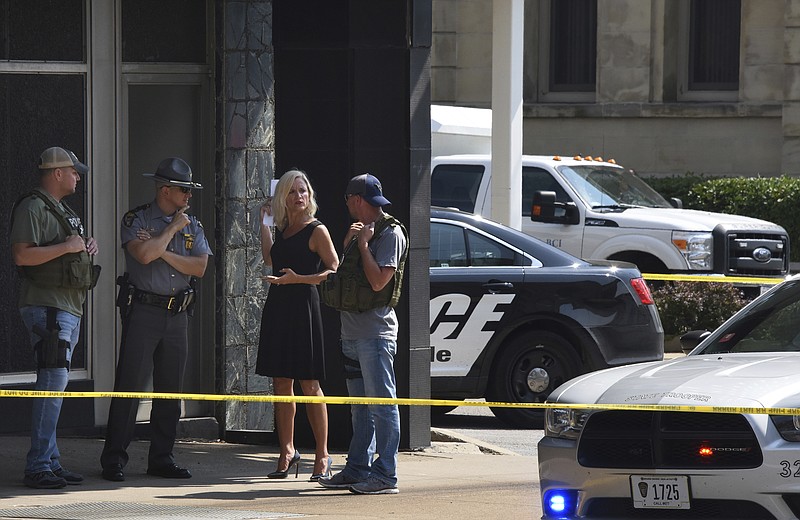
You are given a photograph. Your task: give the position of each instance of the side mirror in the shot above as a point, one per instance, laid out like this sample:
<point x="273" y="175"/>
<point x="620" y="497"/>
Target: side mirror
<point x="545" y="208"/>
<point x="676" y="202"/>
<point x="693" y="338"/>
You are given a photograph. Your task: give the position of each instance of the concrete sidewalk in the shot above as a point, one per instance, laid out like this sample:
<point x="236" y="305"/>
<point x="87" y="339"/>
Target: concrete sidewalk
<point x="448" y="480"/>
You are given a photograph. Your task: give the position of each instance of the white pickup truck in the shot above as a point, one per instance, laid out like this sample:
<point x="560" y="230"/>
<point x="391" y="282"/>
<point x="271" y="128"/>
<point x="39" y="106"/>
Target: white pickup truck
<point x="599" y="210"/>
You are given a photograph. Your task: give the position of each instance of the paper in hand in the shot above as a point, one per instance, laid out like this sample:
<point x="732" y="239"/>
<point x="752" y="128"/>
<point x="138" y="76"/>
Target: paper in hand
<point x="268" y="219"/>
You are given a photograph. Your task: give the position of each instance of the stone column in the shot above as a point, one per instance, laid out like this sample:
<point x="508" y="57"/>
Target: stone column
<point x="245" y="165"/>
<point x="623" y="51"/>
<point x="790" y="157"/>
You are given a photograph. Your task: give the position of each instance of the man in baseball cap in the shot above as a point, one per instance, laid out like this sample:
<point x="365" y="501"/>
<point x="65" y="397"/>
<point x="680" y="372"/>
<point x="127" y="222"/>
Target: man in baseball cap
<point x="369" y="188"/>
<point x="57" y="157"/>
<point x="50" y="247"/>
<point x="376" y="247"/>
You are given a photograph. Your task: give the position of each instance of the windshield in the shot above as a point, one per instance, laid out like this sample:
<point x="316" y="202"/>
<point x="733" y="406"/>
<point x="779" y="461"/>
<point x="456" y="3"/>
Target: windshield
<point x="770" y="324"/>
<point x="609" y="187"/>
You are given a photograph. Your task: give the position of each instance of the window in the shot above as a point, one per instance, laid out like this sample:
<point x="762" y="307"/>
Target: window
<point x="448" y="248"/>
<point x="485" y="252"/>
<point x="150" y="29"/>
<point x="456" y="186"/>
<point x="28" y="126"/>
<point x="714" y="44"/>
<point x="454" y="246"/>
<point x="710" y="38"/>
<point x="537" y="179"/>
<point x="42" y="30"/>
<point x="573" y="45"/>
<point x="568" y="50"/>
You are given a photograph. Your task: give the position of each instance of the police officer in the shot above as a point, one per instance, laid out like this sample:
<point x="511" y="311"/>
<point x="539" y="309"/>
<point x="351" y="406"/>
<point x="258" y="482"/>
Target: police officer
<point x="53" y="255"/>
<point x="164" y="249"/>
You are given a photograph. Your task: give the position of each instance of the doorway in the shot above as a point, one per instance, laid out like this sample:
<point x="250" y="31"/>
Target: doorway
<point x="167" y="116"/>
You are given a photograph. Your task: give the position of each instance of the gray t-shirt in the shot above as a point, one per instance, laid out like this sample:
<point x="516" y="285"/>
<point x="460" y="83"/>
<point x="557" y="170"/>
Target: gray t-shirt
<point x="387" y="249"/>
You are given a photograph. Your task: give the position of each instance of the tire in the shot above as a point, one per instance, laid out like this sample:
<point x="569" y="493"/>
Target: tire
<point x="546" y="358"/>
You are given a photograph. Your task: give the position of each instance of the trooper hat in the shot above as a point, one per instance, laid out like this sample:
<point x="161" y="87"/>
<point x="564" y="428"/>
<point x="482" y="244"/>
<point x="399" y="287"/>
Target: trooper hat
<point x="369" y="188"/>
<point x="57" y="157"/>
<point x="174" y="171"/>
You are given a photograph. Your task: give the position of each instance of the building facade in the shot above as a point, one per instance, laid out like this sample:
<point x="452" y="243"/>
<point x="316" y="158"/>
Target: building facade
<point x="125" y="83"/>
<point x="663" y="86"/>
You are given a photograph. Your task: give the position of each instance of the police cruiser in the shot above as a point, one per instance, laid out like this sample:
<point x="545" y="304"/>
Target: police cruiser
<point x="512" y="318"/>
<point x="713" y="434"/>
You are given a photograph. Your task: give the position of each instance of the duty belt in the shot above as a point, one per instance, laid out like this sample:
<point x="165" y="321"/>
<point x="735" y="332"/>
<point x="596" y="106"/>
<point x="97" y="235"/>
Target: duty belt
<point x="171" y="303"/>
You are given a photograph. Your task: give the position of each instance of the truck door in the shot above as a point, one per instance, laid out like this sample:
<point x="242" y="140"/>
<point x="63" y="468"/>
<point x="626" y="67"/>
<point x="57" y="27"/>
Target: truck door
<point x="567" y="237"/>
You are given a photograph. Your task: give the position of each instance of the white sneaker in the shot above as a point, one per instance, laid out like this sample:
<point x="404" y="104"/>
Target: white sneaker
<point x="373" y="486"/>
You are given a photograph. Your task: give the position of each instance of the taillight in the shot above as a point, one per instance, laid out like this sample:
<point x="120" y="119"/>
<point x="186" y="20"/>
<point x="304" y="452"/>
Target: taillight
<point x="642" y="290"/>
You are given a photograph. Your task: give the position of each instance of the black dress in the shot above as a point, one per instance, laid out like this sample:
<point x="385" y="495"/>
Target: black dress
<point x="291" y="339"/>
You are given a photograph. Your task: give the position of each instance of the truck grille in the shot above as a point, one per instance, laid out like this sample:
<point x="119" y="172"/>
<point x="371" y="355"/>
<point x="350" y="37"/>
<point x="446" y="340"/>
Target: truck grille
<point x="757" y="254"/>
<point x="668" y="440"/>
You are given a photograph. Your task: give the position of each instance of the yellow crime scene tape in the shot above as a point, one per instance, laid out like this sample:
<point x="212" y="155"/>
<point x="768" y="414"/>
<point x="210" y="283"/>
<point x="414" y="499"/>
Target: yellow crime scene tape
<point x="401" y="401"/>
<point x="712" y="278"/>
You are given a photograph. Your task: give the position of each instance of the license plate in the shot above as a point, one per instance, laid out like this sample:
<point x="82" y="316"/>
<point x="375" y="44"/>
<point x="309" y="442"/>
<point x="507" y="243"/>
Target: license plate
<point x="660" y="491"/>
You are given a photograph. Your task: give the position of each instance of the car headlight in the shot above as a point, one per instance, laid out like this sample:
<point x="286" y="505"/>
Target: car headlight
<point x="697" y="249"/>
<point x="788" y="426"/>
<point x="566" y="423"/>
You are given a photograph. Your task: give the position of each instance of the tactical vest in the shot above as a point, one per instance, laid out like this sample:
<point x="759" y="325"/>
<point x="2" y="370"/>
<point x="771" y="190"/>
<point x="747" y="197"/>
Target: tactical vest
<point x="68" y="271"/>
<point x="348" y="288"/>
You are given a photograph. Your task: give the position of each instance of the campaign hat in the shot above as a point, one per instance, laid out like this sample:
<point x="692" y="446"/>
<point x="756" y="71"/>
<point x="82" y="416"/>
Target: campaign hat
<point x="173" y="171"/>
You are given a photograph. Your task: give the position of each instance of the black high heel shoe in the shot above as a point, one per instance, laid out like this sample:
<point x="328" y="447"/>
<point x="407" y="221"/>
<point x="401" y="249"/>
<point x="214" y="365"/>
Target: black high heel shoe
<point x="294" y="462"/>
<point x="325" y="474"/>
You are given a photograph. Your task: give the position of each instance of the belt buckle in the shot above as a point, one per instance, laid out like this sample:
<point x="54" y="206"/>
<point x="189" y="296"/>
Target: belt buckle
<point x="170" y="303"/>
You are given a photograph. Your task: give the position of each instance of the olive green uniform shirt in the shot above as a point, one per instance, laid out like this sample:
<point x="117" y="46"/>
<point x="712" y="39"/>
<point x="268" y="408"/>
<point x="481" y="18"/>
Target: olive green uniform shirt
<point x="34" y="223"/>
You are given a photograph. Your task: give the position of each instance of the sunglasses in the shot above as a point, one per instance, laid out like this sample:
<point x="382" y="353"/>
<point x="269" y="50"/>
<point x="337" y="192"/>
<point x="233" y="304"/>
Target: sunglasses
<point x="183" y="189"/>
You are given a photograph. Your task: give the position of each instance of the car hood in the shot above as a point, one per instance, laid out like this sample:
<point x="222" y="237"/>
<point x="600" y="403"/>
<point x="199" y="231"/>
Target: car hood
<point x="758" y="380"/>
<point x="683" y="219"/>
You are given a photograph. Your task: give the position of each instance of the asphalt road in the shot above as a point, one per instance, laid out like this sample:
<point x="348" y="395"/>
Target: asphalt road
<point x="479" y="423"/>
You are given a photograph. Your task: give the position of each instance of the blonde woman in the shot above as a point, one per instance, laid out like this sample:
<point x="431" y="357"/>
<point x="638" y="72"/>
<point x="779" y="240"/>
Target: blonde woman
<point x="291" y="340"/>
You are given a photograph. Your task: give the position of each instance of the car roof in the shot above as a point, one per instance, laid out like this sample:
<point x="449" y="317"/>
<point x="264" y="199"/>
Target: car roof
<point x="547" y="254"/>
<point x="530" y="160"/>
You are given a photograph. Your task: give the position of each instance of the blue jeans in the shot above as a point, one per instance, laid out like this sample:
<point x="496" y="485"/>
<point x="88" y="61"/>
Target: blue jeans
<point x="44" y="454"/>
<point x="376" y="428"/>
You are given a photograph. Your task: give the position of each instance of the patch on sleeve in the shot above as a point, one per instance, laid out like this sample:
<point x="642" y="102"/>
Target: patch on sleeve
<point x="127" y="220"/>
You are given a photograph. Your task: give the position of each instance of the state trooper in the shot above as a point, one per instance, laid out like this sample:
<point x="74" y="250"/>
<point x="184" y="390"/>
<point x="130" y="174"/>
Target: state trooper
<point x="54" y="258"/>
<point x="165" y="249"/>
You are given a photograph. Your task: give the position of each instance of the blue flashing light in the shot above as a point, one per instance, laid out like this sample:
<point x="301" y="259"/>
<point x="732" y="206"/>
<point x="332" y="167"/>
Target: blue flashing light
<point x="557" y="503"/>
<point x="560" y="503"/>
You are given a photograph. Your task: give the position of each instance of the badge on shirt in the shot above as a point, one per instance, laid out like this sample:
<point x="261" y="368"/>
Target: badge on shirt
<point x="188" y="241"/>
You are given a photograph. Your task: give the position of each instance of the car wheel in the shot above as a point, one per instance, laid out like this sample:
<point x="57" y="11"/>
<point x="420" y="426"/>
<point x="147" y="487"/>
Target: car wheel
<point x="529" y="368"/>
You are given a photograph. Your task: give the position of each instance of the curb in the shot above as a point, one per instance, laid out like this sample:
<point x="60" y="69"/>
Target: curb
<point x="448" y="436"/>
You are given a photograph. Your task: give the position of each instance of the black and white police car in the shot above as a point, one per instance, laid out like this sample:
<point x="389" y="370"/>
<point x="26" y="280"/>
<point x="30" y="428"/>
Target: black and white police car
<point x="512" y="318"/>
